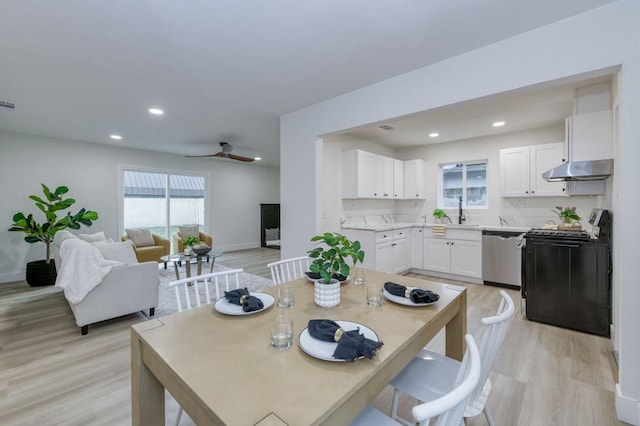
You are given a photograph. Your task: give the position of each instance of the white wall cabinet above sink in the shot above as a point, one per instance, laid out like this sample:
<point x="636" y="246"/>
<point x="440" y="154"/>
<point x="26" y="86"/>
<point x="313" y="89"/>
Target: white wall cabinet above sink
<point x="521" y="170"/>
<point x="368" y="175"/>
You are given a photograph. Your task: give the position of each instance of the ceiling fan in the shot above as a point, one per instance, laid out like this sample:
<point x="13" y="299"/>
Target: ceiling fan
<point x="225" y="152"/>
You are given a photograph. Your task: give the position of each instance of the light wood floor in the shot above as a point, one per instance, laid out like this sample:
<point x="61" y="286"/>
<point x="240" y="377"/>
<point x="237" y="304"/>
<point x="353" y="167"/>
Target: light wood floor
<point x="51" y="375"/>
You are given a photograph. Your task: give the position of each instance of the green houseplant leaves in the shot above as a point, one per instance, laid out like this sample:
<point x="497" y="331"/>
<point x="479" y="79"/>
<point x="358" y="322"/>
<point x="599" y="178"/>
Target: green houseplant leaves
<point x="331" y="258"/>
<point x="51" y="205"/>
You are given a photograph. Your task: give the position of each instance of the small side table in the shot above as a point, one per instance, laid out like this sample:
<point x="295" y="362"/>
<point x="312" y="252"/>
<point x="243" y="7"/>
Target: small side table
<point x="177" y="259"/>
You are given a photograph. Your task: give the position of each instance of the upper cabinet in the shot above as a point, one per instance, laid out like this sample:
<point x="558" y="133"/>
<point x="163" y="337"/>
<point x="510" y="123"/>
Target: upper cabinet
<point x="590" y="136"/>
<point x="367" y="175"/>
<point x="521" y="170"/>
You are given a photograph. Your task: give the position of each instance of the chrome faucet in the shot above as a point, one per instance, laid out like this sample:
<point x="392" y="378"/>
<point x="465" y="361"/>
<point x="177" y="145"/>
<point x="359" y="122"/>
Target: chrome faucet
<point x="503" y="221"/>
<point x="424" y="218"/>
<point x="461" y="217"/>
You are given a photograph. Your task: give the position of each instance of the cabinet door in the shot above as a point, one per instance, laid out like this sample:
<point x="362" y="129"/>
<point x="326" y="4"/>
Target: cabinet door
<point x="543" y="158"/>
<point x="400" y="255"/>
<point x="398" y="180"/>
<point x="514" y="172"/>
<point x="366" y="175"/>
<point x="414" y="179"/>
<point x="384" y="257"/>
<point x="384" y="177"/>
<point x="416" y="248"/>
<point x="466" y="258"/>
<point x="435" y="254"/>
<point x="591" y="136"/>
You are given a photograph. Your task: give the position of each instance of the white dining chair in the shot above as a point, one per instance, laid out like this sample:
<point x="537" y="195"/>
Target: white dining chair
<point x="448" y="409"/>
<point x="188" y="294"/>
<point x="430" y="374"/>
<point x="289" y="269"/>
<point x="187" y="290"/>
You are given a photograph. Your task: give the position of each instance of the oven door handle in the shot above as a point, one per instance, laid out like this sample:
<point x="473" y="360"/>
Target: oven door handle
<point x="566" y="245"/>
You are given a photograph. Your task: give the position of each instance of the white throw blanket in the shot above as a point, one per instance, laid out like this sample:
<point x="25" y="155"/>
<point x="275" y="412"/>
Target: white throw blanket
<point x="82" y="268"/>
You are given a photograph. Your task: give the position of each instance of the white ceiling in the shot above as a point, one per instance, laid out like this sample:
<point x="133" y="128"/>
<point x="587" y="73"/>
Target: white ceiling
<point x="226" y="70"/>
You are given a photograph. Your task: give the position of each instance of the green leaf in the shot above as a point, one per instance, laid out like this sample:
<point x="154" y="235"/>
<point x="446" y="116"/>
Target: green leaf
<point x="18" y="217"/>
<point x="31" y="239"/>
<point x="61" y="190"/>
<point x="37" y="199"/>
<point x="47" y="193"/>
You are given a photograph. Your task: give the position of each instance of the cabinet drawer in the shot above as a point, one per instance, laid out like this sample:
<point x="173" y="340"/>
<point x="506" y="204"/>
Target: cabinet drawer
<point x="400" y="233"/>
<point x="383" y="236"/>
<point x="455" y="234"/>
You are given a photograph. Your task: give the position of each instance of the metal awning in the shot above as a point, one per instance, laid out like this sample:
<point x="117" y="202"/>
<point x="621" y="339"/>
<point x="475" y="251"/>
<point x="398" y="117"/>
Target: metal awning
<point x="154" y="185"/>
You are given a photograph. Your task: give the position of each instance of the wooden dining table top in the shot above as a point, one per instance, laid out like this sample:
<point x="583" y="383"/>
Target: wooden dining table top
<point x="222" y="369"/>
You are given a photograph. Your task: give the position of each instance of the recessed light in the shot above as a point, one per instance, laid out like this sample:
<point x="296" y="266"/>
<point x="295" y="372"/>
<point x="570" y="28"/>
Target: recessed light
<point x="116" y="137"/>
<point x="498" y="124"/>
<point x="258" y="158"/>
<point x="434" y="135"/>
<point x="156" y="111"/>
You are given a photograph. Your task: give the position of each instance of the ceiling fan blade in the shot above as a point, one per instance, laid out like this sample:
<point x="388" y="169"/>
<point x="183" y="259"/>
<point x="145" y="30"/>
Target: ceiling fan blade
<point x="217" y="154"/>
<point x="241" y="158"/>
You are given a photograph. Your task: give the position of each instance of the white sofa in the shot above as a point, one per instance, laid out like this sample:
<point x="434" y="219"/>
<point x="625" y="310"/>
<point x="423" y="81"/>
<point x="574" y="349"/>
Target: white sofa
<point x="124" y="290"/>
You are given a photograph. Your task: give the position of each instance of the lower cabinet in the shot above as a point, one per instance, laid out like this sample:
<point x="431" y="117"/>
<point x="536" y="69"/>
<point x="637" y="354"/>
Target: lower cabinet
<point x="452" y="256"/>
<point x="416" y="248"/>
<point x="393" y="256"/>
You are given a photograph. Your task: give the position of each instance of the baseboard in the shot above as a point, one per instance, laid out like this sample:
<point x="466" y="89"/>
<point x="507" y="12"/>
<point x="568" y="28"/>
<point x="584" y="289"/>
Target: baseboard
<point x="627" y="409"/>
<point x="10" y="277"/>
<point x="447" y="276"/>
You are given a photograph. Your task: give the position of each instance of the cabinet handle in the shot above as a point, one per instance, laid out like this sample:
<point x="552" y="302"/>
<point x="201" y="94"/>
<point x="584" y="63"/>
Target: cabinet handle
<point x="375" y="193"/>
<point x="533" y="192"/>
<point x="526" y="192"/>
<point x="564" y="189"/>
<point x="386" y="195"/>
<point x="393" y="245"/>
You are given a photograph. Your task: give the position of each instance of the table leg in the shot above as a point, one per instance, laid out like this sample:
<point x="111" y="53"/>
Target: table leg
<point x="199" y="260"/>
<point x="456" y="330"/>
<point x="175" y="267"/>
<point x="147" y="393"/>
<point x="188" y="264"/>
<point x="213" y="262"/>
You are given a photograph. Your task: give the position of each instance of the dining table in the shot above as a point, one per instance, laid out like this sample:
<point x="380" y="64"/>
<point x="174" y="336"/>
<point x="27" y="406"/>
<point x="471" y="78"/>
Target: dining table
<point x="222" y="369"/>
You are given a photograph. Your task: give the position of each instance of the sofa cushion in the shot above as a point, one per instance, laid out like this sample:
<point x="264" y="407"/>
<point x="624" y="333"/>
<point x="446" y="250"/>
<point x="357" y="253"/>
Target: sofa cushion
<point x="93" y="238"/>
<point x="122" y="252"/>
<point x="141" y="237"/>
<point x="188" y="231"/>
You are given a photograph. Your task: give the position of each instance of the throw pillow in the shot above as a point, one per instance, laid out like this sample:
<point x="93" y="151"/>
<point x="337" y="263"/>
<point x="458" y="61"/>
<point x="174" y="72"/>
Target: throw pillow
<point x="122" y="252"/>
<point x="188" y="231"/>
<point x="141" y="237"/>
<point x="93" y="238"/>
<point x="271" y="234"/>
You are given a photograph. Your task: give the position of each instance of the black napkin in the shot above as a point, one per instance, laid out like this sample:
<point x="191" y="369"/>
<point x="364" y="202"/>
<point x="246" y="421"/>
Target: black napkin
<point x="351" y="344"/>
<point x="317" y="276"/>
<point x="417" y="295"/>
<point x="241" y="297"/>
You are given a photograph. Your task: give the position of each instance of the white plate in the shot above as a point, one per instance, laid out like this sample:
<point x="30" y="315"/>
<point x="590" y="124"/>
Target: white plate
<point x="324" y="350"/>
<point x="223" y="306"/>
<point x="403" y="300"/>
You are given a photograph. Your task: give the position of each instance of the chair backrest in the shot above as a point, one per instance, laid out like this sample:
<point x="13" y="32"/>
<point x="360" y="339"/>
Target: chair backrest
<point x="196" y="290"/>
<point x="289" y="269"/>
<point x="449" y="408"/>
<point x="494" y="333"/>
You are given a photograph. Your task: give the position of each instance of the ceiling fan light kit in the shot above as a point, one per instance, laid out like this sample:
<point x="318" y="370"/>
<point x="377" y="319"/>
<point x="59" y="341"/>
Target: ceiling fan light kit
<point x="225" y="152"/>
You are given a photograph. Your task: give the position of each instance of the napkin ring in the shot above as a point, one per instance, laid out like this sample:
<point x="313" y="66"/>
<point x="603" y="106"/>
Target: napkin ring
<point x="407" y="293"/>
<point x="338" y="334"/>
<point x="242" y="298"/>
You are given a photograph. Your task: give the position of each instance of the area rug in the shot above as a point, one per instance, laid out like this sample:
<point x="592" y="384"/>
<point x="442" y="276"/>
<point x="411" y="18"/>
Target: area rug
<point x="167" y="304"/>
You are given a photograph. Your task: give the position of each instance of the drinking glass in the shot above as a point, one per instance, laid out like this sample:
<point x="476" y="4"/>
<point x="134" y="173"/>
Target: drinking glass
<point x="286" y="296"/>
<point x="374" y="293"/>
<point x="359" y="277"/>
<point x="281" y="330"/>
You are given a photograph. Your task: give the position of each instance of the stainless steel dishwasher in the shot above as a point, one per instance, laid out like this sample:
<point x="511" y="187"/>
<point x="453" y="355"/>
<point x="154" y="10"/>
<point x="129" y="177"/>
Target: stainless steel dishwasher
<point x="501" y="257"/>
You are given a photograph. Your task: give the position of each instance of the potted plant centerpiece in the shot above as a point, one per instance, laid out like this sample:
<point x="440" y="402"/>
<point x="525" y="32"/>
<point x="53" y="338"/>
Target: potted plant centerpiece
<point x="330" y="258"/>
<point x="43" y="272"/>
<point x="189" y="242"/>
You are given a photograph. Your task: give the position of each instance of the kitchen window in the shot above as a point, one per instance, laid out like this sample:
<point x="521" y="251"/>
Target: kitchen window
<point x="467" y="180"/>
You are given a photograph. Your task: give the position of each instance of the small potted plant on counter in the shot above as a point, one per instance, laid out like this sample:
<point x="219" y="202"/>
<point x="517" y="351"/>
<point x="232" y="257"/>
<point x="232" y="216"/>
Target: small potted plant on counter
<point x="438" y="215"/>
<point x="569" y="218"/>
<point x="329" y="260"/>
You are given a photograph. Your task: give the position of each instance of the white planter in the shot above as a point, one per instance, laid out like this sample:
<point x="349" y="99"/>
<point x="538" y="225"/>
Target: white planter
<point x="327" y="295"/>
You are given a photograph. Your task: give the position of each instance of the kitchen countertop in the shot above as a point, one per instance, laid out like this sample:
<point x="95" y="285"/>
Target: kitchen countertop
<point x="400" y="225"/>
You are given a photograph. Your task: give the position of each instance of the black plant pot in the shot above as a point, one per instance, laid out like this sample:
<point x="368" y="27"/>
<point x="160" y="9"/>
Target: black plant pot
<point x="41" y="273"/>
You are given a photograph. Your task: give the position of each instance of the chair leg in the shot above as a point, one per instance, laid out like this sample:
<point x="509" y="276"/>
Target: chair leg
<point x="487" y="414"/>
<point x="165" y="265"/>
<point x="84" y="330"/>
<point x="152" y="311"/>
<point x="394" y="404"/>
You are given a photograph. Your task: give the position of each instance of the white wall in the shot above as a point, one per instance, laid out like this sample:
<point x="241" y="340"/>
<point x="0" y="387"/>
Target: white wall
<point x="91" y="173"/>
<point x="603" y="38"/>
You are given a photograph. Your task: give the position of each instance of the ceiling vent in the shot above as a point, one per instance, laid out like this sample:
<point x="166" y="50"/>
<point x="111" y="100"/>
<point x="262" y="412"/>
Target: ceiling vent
<point x="7" y="105"/>
<point x="385" y="127"/>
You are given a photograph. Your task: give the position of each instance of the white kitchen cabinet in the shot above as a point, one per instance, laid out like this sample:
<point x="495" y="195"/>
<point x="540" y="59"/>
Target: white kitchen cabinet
<point x="398" y="180"/>
<point x="386" y="251"/>
<point x="416" y="248"/>
<point x="590" y="136"/>
<point x="414" y="180"/>
<point x="384" y="257"/>
<point x="366" y="175"/>
<point x="384" y="177"/>
<point x="457" y="252"/>
<point x="521" y="170"/>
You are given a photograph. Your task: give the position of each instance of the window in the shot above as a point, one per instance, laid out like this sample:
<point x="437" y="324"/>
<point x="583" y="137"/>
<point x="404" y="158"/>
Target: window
<point x="467" y="180"/>
<point x="163" y="201"/>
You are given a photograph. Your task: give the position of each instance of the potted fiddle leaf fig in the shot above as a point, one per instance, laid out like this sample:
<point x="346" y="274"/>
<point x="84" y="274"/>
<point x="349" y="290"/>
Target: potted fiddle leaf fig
<point x="330" y="257"/>
<point x="43" y="272"/>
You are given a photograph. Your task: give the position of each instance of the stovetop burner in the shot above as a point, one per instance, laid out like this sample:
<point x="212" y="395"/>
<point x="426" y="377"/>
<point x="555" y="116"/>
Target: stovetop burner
<point x="553" y="233"/>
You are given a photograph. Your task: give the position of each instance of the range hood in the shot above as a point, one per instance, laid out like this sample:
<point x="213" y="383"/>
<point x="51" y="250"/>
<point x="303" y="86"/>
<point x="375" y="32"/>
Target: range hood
<point x="580" y="170"/>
